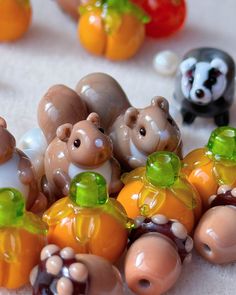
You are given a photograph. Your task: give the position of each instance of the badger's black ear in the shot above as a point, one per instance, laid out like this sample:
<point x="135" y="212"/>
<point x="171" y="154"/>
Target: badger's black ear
<point x="187" y="64"/>
<point x="219" y="64"/>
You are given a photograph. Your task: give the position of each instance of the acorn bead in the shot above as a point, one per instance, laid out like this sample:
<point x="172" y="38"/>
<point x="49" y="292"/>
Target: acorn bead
<point x="215" y="235"/>
<point x="158" y="247"/>
<point x="62" y="272"/>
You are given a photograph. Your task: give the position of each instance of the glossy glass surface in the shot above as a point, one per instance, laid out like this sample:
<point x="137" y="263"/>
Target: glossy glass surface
<point x="167" y="16"/>
<point x="114" y="29"/>
<point x="214" y="240"/>
<point x="222" y="144"/>
<point x="175" y="197"/>
<point x="87" y="220"/>
<point x="215" y="165"/>
<point x="22" y="236"/>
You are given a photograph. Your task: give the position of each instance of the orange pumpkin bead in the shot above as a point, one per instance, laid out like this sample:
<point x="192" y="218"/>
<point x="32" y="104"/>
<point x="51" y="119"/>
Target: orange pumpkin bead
<point x="22" y="237"/>
<point x="114" y="30"/>
<point x="208" y="168"/>
<point x="160" y="189"/>
<point x="15" y="18"/>
<point x="88" y="221"/>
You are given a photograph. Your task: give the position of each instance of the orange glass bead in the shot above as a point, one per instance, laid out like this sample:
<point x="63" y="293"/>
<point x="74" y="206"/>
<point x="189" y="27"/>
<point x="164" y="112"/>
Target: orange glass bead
<point x="208" y="168"/>
<point x="88" y="221"/>
<point x="15" y="18"/>
<point x="161" y="190"/>
<point x="22" y="237"/>
<point x="114" y="30"/>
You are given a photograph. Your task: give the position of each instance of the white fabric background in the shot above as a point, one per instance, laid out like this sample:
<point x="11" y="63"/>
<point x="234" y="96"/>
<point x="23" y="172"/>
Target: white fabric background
<point x="50" y="54"/>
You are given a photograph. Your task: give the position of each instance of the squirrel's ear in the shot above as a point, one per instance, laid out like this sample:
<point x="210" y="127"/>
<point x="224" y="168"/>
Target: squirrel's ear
<point x="3" y="123"/>
<point x="187" y="64"/>
<point x="130" y="116"/>
<point x="64" y="132"/>
<point x="161" y="103"/>
<point x="94" y="118"/>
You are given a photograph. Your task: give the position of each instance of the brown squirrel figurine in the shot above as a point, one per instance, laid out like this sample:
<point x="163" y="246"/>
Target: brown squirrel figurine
<point x="135" y="133"/>
<point x="62" y="118"/>
<point x="77" y="148"/>
<point x="58" y="106"/>
<point x="16" y="171"/>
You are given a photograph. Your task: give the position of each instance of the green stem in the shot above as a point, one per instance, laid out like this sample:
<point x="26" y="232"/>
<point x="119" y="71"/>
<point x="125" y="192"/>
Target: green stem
<point x="119" y="7"/>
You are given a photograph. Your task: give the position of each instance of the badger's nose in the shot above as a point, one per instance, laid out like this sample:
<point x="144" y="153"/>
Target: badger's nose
<point x="199" y="93"/>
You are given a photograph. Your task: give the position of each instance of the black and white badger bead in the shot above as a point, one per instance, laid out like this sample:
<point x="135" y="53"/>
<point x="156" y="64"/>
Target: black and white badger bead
<point x="205" y="81"/>
<point x="205" y="85"/>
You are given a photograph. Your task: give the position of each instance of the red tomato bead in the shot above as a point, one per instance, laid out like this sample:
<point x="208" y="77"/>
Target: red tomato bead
<point x="167" y="16"/>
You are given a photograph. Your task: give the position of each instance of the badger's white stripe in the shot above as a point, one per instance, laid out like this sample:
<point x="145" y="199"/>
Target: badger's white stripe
<point x="201" y="75"/>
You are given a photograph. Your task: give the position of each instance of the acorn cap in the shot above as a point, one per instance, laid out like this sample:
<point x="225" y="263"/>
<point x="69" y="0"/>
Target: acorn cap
<point x="163" y="169"/>
<point x="113" y="10"/>
<point x="88" y="189"/>
<point x="222" y="143"/>
<point x="170" y="228"/>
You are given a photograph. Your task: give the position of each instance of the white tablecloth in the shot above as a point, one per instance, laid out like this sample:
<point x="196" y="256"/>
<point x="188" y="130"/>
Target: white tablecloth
<point x="51" y="54"/>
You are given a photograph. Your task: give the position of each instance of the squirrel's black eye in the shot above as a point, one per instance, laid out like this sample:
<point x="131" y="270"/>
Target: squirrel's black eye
<point x="142" y="131"/>
<point x="190" y="80"/>
<point x="77" y="143"/>
<point x="101" y="129"/>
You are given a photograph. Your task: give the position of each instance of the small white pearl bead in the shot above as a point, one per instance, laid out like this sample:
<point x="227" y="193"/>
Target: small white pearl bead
<point x="166" y="62"/>
<point x="33" y="143"/>
<point x="33" y="139"/>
